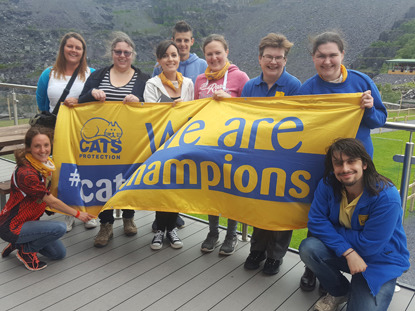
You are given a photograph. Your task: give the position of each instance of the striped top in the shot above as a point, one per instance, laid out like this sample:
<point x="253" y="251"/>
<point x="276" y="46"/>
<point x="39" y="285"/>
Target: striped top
<point x="116" y="93"/>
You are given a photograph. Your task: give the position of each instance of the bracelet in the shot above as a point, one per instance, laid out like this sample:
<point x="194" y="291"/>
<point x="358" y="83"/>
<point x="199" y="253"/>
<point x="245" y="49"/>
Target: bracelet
<point x="77" y="213"/>
<point x="349" y="253"/>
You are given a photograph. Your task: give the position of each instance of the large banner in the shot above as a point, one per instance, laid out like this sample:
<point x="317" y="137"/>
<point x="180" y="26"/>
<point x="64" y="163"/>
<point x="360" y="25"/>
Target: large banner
<point x="255" y="160"/>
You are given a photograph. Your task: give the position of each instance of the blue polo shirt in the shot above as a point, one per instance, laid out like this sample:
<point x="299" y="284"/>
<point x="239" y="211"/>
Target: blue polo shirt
<point x="286" y="85"/>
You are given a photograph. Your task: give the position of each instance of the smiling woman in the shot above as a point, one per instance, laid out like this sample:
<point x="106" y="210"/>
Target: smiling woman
<point x="19" y="220"/>
<point x="328" y="50"/>
<point x="53" y="80"/>
<point x="119" y="82"/>
<point x="220" y="80"/>
<point x="168" y="86"/>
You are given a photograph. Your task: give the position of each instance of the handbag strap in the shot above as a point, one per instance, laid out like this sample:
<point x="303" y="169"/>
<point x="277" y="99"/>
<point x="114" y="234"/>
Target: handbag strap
<point x="66" y="91"/>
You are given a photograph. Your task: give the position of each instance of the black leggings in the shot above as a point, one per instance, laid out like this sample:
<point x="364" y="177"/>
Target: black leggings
<point x="166" y="220"/>
<point x="107" y="216"/>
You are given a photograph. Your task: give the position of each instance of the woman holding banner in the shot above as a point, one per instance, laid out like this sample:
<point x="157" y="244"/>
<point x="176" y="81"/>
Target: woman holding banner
<point x="53" y="80"/>
<point x="328" y="51"/>
<point x="19" y="220"/>
<point x="119" y="82"/>
<point x="220" y="80"/>
<point x="168" y="86"/>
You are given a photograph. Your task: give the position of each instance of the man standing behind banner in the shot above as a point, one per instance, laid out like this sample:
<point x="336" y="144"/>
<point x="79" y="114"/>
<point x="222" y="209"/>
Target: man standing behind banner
<point x="356" y="224"/>
<point x="190" y="64"/>
<point x="273" y="81"/>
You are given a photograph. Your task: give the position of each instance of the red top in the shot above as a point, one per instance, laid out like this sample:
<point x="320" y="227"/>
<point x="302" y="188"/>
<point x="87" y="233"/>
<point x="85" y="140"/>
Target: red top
<point x="28" y="187"/>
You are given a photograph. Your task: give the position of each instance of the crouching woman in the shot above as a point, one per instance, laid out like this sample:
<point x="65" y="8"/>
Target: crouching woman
<point x="19" y="220"/>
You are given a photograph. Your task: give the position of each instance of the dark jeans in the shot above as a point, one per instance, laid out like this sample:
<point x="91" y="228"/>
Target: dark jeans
<point x="107" y="216"/>
<point x="42" y="236"/>
<point x="328" y="267"/>
<point x="274" y="243"/>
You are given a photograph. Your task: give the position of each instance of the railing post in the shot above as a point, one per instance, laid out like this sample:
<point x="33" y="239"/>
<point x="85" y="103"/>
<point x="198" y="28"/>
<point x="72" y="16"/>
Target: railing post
<point x="406" y="173"/>
<point x="15" y="101"/>
<point x="245" y="237"/>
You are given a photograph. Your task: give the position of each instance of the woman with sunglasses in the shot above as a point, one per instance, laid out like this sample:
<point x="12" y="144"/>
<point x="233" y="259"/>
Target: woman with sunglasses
<point x="119" y="82"/>
<point x="220" y="80"/>
<point x="53" y="80"/>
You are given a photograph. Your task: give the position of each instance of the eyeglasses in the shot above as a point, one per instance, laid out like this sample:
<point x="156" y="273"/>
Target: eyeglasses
<point x="119" y="53"/>
<point x="270" y="58"/>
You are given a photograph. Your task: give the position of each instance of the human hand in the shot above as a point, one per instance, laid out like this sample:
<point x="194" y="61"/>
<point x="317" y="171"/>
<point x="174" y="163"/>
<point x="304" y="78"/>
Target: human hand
<point x="70" y="101"/>
<point x="367" y="100"/>
<point x="130" y="98"/>
<point x="85" y="217"/>
<point x="176" y="101"/>
<point x="218" y="95"/>
<point x="356" y="263"/>
<point x="99" y="95"/>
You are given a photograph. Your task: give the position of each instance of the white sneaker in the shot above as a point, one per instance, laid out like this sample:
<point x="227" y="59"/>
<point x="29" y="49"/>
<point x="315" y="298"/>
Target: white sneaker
<point x="329" y="303"/>
<point x="173" y="238"/>
<point x="69" y="220"/>
<point x="91" y="224"/>
<point x="157" y="242"/>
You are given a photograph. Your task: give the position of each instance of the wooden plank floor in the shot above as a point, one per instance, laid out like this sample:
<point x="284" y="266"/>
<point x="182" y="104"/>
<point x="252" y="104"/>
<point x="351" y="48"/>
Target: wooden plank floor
<point x="128" y="275"/>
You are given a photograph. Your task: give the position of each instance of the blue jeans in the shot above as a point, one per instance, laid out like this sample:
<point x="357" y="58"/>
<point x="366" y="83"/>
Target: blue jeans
<point x="42" y="236"/>
<point x="327" y="267"/>
<point x="214" y="226"/>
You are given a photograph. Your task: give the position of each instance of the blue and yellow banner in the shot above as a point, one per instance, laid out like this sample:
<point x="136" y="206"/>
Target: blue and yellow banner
<point x="98" y="146"/>
<point x="255" y="160"/>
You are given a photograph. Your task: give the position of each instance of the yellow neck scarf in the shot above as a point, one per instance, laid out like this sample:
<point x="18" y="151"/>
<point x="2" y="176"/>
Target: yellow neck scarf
<point x="218" y="74"/>
<point x="168" y="82"/>
<point x="45" y="169"/>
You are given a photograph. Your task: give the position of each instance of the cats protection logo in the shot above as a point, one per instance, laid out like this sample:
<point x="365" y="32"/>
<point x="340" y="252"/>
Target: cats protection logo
<point x="100" y="139"/>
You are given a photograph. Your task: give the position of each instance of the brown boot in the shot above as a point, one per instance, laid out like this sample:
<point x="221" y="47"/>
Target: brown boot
<point x="103" y="236"/>
<point x="129" y="226"/>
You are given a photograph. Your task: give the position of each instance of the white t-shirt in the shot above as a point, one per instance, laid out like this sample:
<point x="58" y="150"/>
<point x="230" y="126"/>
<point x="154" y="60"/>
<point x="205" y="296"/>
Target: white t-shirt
<point x="56" y="87"/>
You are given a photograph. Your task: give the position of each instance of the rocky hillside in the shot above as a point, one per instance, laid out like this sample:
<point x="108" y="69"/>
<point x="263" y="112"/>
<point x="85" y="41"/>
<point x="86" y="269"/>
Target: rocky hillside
<point x="31" y="29"/>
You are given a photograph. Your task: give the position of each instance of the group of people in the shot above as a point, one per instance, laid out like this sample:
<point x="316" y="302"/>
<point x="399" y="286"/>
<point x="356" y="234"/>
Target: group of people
<point x="354" y="220"/>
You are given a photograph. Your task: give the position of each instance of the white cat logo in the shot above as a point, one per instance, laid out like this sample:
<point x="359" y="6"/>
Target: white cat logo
<point x="98" y="128"/>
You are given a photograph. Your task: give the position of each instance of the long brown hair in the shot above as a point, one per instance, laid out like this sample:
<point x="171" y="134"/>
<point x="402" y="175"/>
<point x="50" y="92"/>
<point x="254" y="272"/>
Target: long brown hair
<point x="373" y="182"/>
<point x="60" y="64"/>
<point x="20" y="154"/>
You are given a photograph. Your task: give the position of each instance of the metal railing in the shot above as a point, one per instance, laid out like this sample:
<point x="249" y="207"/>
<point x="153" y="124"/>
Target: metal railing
<point x="15" y="101"/>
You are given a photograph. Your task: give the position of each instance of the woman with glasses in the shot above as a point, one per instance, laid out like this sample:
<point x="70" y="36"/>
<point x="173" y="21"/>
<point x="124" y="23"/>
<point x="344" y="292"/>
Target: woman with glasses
<point x="328" y="51"/>
<point x="119" y="82"/>
<point x="220" y="80"/>
<point x="168" y="86"/>
<point x="53" y="80"/>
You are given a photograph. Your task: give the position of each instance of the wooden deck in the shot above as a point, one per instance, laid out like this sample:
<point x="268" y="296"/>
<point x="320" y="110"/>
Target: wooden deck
<point x="128" y="275"/>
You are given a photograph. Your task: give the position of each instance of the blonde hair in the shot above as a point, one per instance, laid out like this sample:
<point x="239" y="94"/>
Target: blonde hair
<point x="275" y="40"/>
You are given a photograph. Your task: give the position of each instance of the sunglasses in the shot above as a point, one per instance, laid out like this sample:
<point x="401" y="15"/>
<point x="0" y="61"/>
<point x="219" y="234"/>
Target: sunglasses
<point x="119" y="53"/>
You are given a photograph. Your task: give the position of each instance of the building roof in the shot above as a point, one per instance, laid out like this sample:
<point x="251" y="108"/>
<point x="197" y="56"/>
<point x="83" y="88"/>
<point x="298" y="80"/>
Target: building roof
<point x="408" y="61"/>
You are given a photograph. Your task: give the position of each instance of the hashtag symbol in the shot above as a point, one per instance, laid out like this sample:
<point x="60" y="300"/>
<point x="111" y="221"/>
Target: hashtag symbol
<point x="74" y="178"/>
